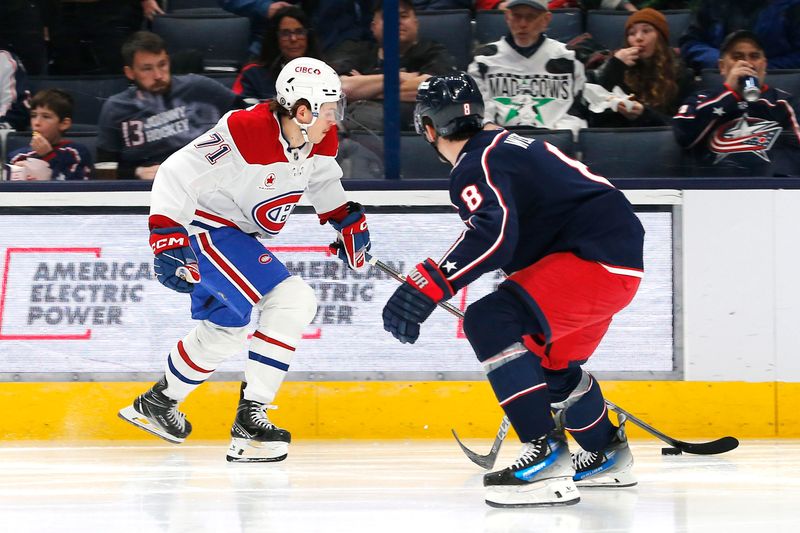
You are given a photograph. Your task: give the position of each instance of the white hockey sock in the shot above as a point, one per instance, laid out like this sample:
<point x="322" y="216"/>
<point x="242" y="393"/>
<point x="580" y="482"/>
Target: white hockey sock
<point x="193" y="359"/>
<point x="267" y="363"/>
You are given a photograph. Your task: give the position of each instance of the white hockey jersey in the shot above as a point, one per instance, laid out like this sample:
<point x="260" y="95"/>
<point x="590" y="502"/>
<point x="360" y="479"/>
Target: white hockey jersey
<point x="241" y="173"/>
<point x="536" y="91"/>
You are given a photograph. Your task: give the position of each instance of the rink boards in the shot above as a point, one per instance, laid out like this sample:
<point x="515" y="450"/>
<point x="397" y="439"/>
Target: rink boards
<point x="394" y="410"/>
<point x="712" y="352"/>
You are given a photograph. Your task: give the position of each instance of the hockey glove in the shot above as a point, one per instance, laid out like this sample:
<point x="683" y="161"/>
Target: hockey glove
<point x="414" y="301"/>
<point x="353" y="236"/>
<point x="175" y="263"/>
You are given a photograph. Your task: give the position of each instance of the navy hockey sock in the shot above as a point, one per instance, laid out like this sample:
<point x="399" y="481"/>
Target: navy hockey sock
<point x="494" y="326"/>
<point x="586" y="415"/>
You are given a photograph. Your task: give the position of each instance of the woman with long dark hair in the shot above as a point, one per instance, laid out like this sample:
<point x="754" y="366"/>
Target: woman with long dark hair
<point x="288" y="37"/>
<point x="647" y="69"/>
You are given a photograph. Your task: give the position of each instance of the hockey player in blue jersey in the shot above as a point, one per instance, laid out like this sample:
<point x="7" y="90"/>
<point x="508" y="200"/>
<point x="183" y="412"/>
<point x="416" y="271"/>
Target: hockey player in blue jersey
<point x="571" y="246"/>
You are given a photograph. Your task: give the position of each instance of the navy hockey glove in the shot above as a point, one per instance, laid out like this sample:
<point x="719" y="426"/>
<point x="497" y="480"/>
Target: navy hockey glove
<point x="414" y="301"/>
<point x="353" y="236"/>
<point x="175" y="263"/>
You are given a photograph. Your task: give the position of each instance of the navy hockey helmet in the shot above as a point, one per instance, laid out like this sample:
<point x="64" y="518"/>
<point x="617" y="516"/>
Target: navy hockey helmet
<point x="453" y="103"/>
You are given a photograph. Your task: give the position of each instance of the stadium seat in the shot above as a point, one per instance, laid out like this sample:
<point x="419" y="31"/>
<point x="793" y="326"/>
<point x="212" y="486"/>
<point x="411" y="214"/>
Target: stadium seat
<point x="633" y="152"/>
<point x="222" y="39"/>
<point x="561" y="139"/>
<point x="418" y="160"/>
<point x="710" y="79"/>
<point x="225" y="78"/>
<point x="788" y="80"/>
<point x="607" y="27"/>
<point x="182" y="5"/>
<point x="88" y="92"/>
<point x="361" y="157"/>
<point x="17" y="140"/>
<point x="490" y="25"/>
<point x="453" y="29"/>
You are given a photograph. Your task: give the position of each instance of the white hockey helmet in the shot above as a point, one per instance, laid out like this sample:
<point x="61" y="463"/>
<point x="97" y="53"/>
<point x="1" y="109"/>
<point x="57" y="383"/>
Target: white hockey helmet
<point x="309" y="79"/>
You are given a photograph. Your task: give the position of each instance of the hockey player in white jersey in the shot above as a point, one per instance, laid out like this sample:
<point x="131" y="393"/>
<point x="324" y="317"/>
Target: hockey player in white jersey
<point x="210" y="201"/>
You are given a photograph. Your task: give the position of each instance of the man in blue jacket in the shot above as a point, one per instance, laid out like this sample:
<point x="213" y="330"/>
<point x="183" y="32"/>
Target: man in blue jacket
<point x="775" y="22"/>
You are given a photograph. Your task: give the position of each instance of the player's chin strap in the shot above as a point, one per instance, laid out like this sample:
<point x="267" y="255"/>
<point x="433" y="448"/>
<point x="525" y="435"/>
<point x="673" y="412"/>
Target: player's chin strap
<point x="725" y="444"/>
<point x="304" y="127"/>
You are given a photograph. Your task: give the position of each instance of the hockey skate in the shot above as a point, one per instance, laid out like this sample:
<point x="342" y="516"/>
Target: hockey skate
<point x="158" y="414"/>
<point x="254" y="439"/>
<point x="541" y="476"/>
<point x="610" y="467"/>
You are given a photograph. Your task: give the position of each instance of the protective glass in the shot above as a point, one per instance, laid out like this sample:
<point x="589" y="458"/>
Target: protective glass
<point x="334" y="111"/>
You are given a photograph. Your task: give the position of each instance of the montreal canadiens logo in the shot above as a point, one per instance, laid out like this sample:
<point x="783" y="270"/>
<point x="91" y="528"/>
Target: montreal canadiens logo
<point x="271" y="214"/>
<point x="264" y="259"/>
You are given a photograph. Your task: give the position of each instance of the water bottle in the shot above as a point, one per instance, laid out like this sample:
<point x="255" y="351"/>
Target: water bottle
<point x="750" y="89"/>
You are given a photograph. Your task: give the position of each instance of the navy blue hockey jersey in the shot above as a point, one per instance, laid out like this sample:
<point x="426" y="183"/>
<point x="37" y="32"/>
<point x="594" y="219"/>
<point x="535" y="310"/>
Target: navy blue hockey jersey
<point x="68" y="160"/>
<point x="731" y="137"/>
<point x="522" y="199"/>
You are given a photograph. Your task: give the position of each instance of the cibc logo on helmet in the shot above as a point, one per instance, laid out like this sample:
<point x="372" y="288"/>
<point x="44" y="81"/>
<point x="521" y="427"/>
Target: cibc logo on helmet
<point x="307" y="70"/>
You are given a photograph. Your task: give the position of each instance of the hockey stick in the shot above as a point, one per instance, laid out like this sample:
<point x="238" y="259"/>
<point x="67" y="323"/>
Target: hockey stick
<point x="722" y="445"/>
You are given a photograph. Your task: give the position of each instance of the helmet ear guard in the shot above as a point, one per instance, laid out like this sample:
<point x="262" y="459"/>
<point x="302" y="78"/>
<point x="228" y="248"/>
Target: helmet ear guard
<point x="452" y="103"/>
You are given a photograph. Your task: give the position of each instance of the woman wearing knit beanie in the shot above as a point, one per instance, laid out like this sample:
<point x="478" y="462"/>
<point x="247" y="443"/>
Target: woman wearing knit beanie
<point x="647" y="69"/>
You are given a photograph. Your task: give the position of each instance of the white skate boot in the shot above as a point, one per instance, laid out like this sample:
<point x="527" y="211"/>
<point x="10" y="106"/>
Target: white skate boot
<point x="541" y="476"/>
<point x="610" y="467"/>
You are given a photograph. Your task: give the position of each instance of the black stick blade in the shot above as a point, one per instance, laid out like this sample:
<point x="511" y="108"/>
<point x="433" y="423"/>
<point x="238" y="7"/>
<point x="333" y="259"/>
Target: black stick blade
<point x="484" y="461"/>
<point x="725" y="444"/>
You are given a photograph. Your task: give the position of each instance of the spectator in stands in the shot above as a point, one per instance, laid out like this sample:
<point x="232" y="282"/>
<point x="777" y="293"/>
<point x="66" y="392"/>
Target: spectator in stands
<point x="49" y="155"/>
<point x="646" y="68"/>
<point x="528" y="79"/>
<point x="360" y="65"/>
<point x="733" y="136"/>
<point x="288" y="37"/>
<point x="14" y="94"/>
<point x="336" y="21"/>
<point x="775" y="22"/>
<point x="142" y="126"/>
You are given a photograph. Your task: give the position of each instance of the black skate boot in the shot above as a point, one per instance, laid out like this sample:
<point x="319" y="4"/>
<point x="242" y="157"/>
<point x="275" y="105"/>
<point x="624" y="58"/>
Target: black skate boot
<point x="542" y="475"/>
<point x="610" y="467"/>
<point x="254" y="439"/>
<point x="158" y="414"/>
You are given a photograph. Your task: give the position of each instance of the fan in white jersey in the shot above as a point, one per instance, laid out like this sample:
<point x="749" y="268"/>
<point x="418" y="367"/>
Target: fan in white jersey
<point x="210" y="202"/>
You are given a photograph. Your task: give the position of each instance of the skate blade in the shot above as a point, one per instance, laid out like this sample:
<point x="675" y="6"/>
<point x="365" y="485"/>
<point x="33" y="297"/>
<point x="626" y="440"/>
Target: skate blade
<point x="250" y="451"/>
<point x="614" y="480"/>
<point x="545" y="493"/>
<point x="132" y="416"/>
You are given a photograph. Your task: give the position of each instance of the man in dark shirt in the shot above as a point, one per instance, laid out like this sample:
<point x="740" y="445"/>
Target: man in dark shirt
<point x="360" y="65"/>
<point x="143" y="125"/>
